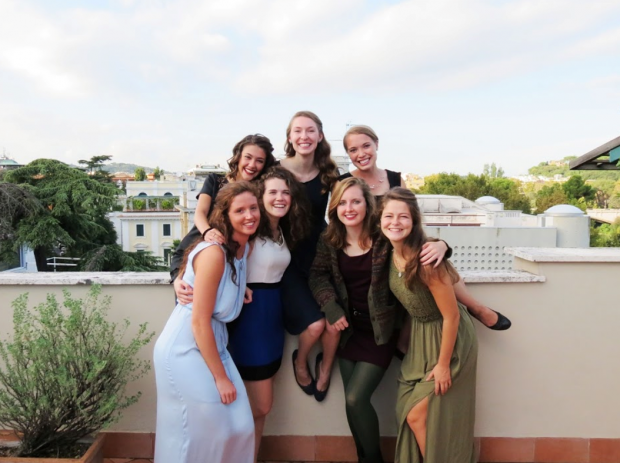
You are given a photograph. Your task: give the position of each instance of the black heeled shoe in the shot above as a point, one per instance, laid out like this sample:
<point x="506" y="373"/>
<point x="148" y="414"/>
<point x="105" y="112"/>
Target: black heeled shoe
<point x="308" y="388"/>
<point x="502" y="323"/>
<point x="319" y="395"/>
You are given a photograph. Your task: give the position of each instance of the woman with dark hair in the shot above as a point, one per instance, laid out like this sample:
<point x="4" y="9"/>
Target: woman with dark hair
<point x="437" y="384"/>
<point x="203" y="412"/>
<point x="308" y="158"/>
<point x="257" y="336"/>
<point x="361" y="144"/>
<point x="252" y="155"/>
<point x="348" y="283"/>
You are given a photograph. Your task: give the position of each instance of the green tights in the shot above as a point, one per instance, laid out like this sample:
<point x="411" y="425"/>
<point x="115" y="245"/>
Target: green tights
<point x="360" y="381"/>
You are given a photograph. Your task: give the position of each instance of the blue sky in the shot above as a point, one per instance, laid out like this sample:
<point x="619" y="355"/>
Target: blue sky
<point x="448" y="85"/>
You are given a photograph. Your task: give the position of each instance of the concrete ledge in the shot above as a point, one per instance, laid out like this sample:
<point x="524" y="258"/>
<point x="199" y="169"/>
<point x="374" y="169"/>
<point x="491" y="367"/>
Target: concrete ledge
<point x="85" y="278"/>
<point x="566" y="254"/>
<point x="163" y="278"/>
<point x="504" y="276"/>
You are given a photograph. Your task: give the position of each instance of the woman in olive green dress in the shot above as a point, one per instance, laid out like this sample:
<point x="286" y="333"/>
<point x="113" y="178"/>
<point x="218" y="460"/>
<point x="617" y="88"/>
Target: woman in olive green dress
<point x="437" y="383"/>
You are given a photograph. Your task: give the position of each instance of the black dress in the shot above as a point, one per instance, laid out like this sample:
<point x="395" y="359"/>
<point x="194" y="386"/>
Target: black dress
<point x="394" y="179"/>
<point x="210" y="187"/>
<point x="300" y="308"/>
<point x="361" y="346"/>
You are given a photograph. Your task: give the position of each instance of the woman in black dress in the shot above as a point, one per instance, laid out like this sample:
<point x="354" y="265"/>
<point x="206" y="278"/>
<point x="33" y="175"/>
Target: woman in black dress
<point x="308" y="158"/>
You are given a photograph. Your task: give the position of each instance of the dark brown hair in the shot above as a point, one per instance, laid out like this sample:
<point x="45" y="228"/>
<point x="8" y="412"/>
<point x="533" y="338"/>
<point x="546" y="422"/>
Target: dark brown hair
<point x="322" y="156"/>
<point x="336" y="232"/>
<point x="296" y="223"/>
<point x="220" y="221"/>
<point x="258" y="140"/>
<point x="414" y="271"/>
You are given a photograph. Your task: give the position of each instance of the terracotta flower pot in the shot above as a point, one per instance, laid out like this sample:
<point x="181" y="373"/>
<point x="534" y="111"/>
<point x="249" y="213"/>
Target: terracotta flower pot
<point x="94" y="454"/>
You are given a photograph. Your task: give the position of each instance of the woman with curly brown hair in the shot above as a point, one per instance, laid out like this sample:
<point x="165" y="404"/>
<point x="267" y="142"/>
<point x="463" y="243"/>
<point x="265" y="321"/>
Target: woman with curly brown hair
<point x="203" y="412"/>
<point x="252" y="156"/>
<point x="257" y="336"/>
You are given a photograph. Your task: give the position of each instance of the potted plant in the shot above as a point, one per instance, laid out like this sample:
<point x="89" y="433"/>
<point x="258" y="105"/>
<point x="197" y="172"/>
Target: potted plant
<point x="63" y="375"/>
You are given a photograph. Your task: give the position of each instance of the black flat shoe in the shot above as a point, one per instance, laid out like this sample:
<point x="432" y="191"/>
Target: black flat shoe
<point x="319" y="395"/>
<point x="502" y="323"/>
<point x="308" y="388"/>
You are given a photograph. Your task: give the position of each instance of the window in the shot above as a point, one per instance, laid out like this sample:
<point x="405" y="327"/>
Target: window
<point x="139" y="229"/>
<point x="167" y="254"/>
<point x="167" y="229"/>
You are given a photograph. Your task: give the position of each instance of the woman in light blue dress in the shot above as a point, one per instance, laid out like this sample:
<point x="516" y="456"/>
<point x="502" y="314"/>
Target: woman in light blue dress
<point x="203" y="412"/>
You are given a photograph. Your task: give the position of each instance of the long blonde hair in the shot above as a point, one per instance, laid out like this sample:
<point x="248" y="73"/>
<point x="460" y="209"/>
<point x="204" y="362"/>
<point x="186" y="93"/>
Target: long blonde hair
<point x="336" y="232"/>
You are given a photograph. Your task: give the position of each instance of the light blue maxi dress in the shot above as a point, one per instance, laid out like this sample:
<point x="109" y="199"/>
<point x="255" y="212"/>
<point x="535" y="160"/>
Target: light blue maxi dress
<point x="193" y="425"/>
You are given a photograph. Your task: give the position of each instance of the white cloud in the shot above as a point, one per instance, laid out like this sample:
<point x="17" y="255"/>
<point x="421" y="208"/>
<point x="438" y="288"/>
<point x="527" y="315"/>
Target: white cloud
<point x="438" y="44"/>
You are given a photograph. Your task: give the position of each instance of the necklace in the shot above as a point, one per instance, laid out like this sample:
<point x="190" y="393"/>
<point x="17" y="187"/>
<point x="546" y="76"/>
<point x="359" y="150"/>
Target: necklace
<point x="378" y="182"/>
<point x="372" y="187"/>
<point x="397" y="264"/>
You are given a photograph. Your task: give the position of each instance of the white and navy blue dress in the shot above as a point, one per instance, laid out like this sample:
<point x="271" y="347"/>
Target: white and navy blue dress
<point x="193" y="425"/>
<point x="257" y="336"/>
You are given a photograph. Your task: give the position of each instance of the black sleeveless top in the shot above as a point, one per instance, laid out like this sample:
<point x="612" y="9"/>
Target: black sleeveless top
<point x="393" y="178"/>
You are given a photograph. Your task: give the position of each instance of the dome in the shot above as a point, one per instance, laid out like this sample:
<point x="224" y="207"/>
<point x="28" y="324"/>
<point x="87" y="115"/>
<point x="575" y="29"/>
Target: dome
<point x="563" y="210"/>
<point x="487" y="200"/>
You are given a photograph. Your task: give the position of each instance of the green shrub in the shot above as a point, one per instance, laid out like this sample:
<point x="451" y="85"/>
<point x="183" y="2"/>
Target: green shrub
<point x="65" y="370"/>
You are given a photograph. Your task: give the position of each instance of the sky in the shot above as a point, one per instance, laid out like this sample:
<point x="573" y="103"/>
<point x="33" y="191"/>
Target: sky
<point x="448" y="85"/>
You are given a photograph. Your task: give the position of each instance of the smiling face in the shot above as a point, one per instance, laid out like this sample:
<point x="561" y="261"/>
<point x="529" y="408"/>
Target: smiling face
<point x="251" y="162"/>
<point x="277" y="197"/>
<point x="396" y="221"/>
<point x="351" y="209"/>
<point x="304" y="135"/>
<point x="244" y="214"/>
<point x="362" y="150"/>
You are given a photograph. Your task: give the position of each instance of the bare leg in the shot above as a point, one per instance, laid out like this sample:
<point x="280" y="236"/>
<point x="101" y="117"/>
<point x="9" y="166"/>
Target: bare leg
<point x="307" y="339"/>
<point x="416" y="419"/>
<point x="485" y="315"/>
<point x="330" y="340"/>
<point x="260" y="394"/>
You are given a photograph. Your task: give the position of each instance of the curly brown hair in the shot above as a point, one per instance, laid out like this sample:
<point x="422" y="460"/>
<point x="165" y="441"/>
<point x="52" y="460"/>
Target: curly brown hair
<point x="322" y="156"/>
<point x="257" y="140"/>
<point x="296" y="223"/>
<point x="336" y="233"/>
<point x="220" y="221"/>
<point x="414" y="271"/>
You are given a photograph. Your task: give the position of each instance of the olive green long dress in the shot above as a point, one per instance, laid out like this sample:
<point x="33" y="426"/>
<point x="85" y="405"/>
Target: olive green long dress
<point x="450" y="422"/>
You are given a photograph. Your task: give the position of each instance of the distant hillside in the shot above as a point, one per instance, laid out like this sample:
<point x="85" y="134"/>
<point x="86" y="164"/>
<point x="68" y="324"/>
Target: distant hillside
<point x="122" y="167"/>
<point x="549" y="169"/>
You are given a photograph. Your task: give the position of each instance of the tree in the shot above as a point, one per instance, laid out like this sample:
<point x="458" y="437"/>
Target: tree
<point x="16" y="203"/>
<point x="575" y="189"/>
<point x="473" y="187"/>
<point x="548" y="196"/>
<point x="493" y="171"/>
<point x="95" y="168"/>
<point x="157" y="173"/>
<point x="73" y="216"/>
<point x="139" y="174"/>
<point x="509" y="192"/>
<point x="112" y="258"/>
<point x="605" y="235"/>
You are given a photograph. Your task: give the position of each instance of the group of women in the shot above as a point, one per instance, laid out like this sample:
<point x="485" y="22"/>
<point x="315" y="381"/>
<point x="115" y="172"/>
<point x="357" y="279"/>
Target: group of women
<point x="261" y="260"/>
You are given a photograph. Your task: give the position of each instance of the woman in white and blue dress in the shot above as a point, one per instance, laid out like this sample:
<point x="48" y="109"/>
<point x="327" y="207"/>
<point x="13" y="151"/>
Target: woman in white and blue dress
<point x="203" y="411"/>
<point x="257" y="337"/>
